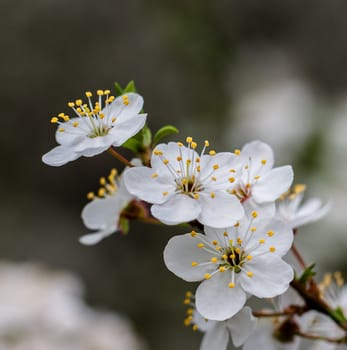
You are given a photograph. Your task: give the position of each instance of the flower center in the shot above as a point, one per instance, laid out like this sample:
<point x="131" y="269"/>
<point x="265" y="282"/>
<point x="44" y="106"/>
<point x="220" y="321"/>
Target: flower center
<point x="188" y="185"/>
<point x="233" y="258"/>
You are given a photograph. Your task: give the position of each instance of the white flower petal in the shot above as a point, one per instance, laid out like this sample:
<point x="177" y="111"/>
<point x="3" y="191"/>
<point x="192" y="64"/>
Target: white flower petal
<point x="264" y="210"/>
<point x="275" y="234"/>
<point x="100" y="212"/>
<point x="179" y="208"/>
<point x="125" y="129"/>
<point x="216" y="301"/>
<point x="59" y="155"/>
<point x="223" y="210"/>
<point x="241" y="326"/>
<point x="273" y="184"/>
<point x="255" y="153"/>
<point x="216" y="338"/>
<point x="140" y="182"/>
<point x="68" y="138"/>
<point x="93" y="238"/>
<point x="117" y="109"/>
<point x="271" y="276"/>
<point x="311" y="211"/>
<point x="179" y="254"/>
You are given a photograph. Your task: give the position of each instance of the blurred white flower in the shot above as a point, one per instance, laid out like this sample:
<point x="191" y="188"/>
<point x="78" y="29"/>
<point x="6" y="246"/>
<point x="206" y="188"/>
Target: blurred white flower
<point x="103" y="212"/>
<point x="295" y="214"/>
<point x="96" y="128"/>
<point x="41" y="309"/>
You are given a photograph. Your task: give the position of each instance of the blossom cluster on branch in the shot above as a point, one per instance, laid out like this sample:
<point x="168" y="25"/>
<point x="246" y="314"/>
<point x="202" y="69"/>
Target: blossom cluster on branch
<point x="240" y="214"/>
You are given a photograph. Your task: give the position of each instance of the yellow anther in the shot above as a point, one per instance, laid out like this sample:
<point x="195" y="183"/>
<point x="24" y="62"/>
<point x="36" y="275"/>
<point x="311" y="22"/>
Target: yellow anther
<point x="256" y="177"/>
<point x="71" y="104"/>
<point x="237" y="224"/>
<point x="248" y="185"/>
<point x="253" y="229"/>
<point x="249" y="257"/>
<point x="225" y="257"/>
<point x="195" y="328"/>
<point x="212" y="152"/>
<point x="194" y="263"/>
<point x="107" y="92"/>
<point x="61" y="115"/>
<point x="157" y="152"/>
<point x="238" y="250"/>
<point x="193" y="233"/>
<point x="263" y="161"/>
<point x="54" y="120"/>
<point x="90" y="195"/>
<point x="221" y="269"/>
<point x="165" y="193"/>
<point x="239" y="240"/>
<point x="232" y="171"/>
<point x="232" y="256"/>
<point x="75" y="124"/>
<point x="231" y="285"/>
<point x="272" y="249"/>
<point x="101" y="115"/>
<point x="189" y="161"/>
<point x="186" y="301"/>
<point x="125" y="100"/>
<point x="113" y="172"/>
<point x="165" y="161"/>
<point x="113" y="119"/>
<point x="254" y="214"/>
<point x="250" y="274"/>
<point x="184" y="181"/>
<point x="197" y="160"/>
<point x="213" y="178"/>
<point x="215" y="166"/>
<point x="153" y="176"/>
<point x="102" y="181"/>
<point x="196" y="196"/>
<point x="299" y="188"/>
<point x="207" y="276"/>
<point x="262" y="241"/>
<point x="78" y="102"/>
<point x="100" y="92"/>
<point x="179" y="158"/>
<point x="231" y="179"/>
<point x="61" y="129"/>
<point x="207" y="144"/>
<point x="237" y="152"/>
<point x="225" y="234"/>
<point x="214" y="260"/>
<point x="193" y="145"/>
<point x="179" y="144"/>
<point x="270" y="233"/>
<point x="218" y="247"/>
<point x="214" y="242"/>
<point x="246" y="167"/>
<point x="101" y="192"/>
<point x="189" y="139"/>
<point x="200" y="245"/>
<point x="213" y="195"/>
<point x="89" y="94"/>
<point x="198" y="168"/>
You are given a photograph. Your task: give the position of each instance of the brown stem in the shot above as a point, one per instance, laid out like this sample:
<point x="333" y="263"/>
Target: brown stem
<point x="298" y="257"/>
<point x="118" y="156"/>
<point x="318" y="337"/>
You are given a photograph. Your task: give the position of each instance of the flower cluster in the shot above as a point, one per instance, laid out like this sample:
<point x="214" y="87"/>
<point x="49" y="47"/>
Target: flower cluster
<point x="242" y="215"/>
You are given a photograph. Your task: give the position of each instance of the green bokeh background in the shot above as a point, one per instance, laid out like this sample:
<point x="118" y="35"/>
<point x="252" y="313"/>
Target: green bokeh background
<point x="180" y="54"/>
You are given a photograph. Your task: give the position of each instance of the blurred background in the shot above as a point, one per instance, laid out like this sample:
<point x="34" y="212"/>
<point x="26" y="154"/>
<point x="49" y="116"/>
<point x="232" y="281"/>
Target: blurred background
<point x="226" y="71"/>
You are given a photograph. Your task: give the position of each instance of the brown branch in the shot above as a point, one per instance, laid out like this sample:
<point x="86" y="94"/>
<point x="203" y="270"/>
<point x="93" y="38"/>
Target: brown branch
<point x="118" y="156"/>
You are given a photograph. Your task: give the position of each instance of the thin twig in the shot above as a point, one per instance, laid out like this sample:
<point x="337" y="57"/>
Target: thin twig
<point x="118" y="156"/>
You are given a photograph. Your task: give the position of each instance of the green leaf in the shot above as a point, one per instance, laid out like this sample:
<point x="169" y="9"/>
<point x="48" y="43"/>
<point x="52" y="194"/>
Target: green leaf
<point x="119" y="90"/>
<point x="307" y="274"/>
<point x="133" y="144"/>
<point x="338" y="313"/>
<point x="130" y="87"/>
<point x="146" y="136"/>
<point x="163" y="132"/>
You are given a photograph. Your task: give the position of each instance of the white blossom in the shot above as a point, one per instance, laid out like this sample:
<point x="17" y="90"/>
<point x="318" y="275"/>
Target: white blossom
<point x="183" y="185"/>
<point x="217" y="333"/>
<point x="291" y="210"/>
<point x="233" y="263"/>
<point x="103" y="212"/>
<point x="96" y="127"/>
<point x="257" y="184"/>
